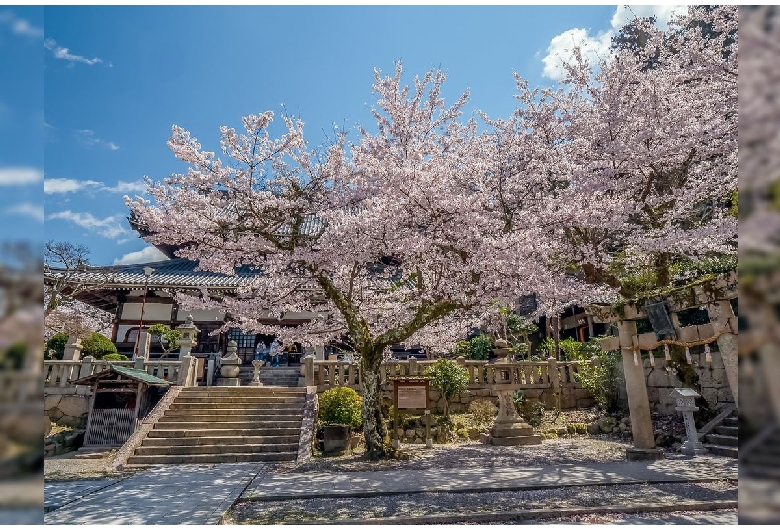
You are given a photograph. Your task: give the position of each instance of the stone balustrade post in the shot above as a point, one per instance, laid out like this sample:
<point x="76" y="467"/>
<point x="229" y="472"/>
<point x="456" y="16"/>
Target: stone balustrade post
<point x="186" y="370"/>
<point x="412" y="366"/>
<point x="139" y="363"/>
<point x="86" y="366"/>
<point x="555" y="380"/>
<point x="638" y="402"/>
<point x="143" y="346"/>
<point x="308" y="364"/>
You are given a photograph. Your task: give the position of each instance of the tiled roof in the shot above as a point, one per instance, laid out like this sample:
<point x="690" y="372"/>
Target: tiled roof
<point x="132" y="373"/>
<point x="177" y="272"/>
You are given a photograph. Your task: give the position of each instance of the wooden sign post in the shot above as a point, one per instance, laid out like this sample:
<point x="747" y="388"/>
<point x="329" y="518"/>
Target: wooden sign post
<point x="411" y="393"/>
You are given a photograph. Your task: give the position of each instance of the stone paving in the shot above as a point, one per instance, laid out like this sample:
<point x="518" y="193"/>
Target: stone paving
<point x="174" y="494"/>
<point x="60" y="493"/>
<point x="360" y="484"/>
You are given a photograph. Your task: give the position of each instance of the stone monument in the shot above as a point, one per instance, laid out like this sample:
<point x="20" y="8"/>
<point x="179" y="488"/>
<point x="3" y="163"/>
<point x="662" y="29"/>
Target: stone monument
<point x="256" y="374"/>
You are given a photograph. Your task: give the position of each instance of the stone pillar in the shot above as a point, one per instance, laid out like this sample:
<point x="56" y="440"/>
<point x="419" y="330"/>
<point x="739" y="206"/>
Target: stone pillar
<point x="412" y="366"/>
<point x="230" y="367"/>
<point x="139" y="363"/>
<point x="86" y="366"/>
<point x="319" y="352"/>
<point x="143" y="344"/>
<point x="555" y="382"/>
<point x="638" y="403"/>
<point x="210" y="372"/>
<point x="720" y="312"/>
<point x="189" y="337"/>
<point x="72" y="350"/>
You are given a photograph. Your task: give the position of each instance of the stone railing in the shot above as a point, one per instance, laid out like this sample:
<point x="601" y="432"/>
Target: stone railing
<point x="57" y="375"/>
<point x="19" y="388"/>
<point x="525" y="374"/>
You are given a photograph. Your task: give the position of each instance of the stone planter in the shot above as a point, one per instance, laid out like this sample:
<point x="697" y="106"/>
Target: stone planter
<point x="335" y="438"/>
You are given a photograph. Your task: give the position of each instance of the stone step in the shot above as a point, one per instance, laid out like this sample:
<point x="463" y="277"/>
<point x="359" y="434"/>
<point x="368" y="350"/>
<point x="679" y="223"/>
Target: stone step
<point x="244" y="400"/>
<point x="159" y="450"/>
<point x="722" y="450"/>
<point x="206" y="438"/>
<point x="763" y="459"/>
<point x="217" y="412"/>
<point x="727" y="431"/>
<point x="222" y="423"/>
<point x="215" y="406"/>
<point x="222" y="458"/>
<point x="731" y="421"/>
<point x="238" y="391"/>
<point x="719" y="439"/>
<point x="198" y="432"/>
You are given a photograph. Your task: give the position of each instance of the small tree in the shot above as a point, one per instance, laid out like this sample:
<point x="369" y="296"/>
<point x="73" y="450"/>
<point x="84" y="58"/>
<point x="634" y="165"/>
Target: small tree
<point x="169" y="338"/>
<point x="55" y="346"/>
<point x="341" y="406"/>
<point x="448" y="378"/>
<point x="97" y="346"/>
<point x="600" y="375"/>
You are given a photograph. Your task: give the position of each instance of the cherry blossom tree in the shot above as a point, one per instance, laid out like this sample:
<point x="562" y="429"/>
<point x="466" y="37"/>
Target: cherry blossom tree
<point x="63" y="312"/>
<point x="635" y="158"/>
<point x="385" y="239"/>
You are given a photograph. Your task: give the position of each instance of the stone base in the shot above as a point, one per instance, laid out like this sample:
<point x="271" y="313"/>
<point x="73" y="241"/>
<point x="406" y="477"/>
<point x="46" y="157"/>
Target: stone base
<point x="228" y="381"/>
<point x="256" y="383"/>
<point x="693" y="449"/>
<point x="634" y="454"/>
<point x="533" y="439"/>
<point x="511" y="430"/>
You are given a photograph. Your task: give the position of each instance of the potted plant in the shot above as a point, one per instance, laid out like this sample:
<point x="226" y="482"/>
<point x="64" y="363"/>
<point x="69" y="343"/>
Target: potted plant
<point x="340" y="411"/>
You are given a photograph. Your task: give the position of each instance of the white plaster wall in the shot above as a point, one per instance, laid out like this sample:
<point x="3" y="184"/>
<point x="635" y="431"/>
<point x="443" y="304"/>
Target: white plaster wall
<point x="152" y="312"/>
<point x="201" y="315"/>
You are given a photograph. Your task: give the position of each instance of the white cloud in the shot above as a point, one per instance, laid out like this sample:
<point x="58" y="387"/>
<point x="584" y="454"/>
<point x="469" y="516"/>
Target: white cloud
<point x="20" y="26"/>
<point x="87" y="137"/>
<point x="597" y="47"/>
<point x="31" y="210"/>
<point x="109" y="227"/>
<point x="19" y="176"/>
<point x="64" y="53"/>
<point x="138" y="186"/>
<point x="53" y="186"/>
<point x="147" y="255"/>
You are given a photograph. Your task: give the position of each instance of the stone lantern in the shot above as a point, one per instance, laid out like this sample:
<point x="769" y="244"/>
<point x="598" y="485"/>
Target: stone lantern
<point x="685" y="400"/>
<point x="230" y="366"/>
<point x="189" y="337"/>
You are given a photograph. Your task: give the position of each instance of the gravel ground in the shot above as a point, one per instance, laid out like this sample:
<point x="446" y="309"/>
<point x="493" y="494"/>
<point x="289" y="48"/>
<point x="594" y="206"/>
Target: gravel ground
<point x="564" y="450"/>
<point x="310" y="510"/>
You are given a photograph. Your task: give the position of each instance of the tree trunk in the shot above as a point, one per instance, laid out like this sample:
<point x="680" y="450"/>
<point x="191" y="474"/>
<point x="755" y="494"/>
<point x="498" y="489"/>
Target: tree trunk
<point x="374" y="428"/>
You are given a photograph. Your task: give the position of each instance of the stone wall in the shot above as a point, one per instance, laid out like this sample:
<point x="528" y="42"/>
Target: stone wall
<point x="571" y="398"/>
<point x="70" y="410"/>
<point x="712" y="383"/>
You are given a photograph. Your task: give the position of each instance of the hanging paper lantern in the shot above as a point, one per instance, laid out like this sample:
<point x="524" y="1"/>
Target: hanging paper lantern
<point x="707" y="354"/>
<point x="667" y="356"/>
<point x="651" y="356"/>
<point x="688" y="355"/>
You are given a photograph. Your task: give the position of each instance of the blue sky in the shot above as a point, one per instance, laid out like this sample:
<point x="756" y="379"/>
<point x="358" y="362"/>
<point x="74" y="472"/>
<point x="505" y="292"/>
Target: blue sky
<point x="110" y="81"/>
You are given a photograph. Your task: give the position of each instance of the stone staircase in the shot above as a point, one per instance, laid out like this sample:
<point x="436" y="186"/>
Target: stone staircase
<point x="724" y="440"/>
<point x="282" y="376"/>
<point x="762" y="459"/>
<point x="226" y="424"/>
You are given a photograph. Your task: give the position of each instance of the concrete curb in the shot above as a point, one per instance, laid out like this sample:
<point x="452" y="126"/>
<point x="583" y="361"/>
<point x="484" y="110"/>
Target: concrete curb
<point x="543" y="513"/>
<point x="460" y="489"/>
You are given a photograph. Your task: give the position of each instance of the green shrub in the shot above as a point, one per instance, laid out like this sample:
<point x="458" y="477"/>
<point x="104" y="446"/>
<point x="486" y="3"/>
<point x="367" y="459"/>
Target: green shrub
<point x="601" y="376"/>
<point x="115" y="357"/>
<point x="13" y="357"/>
<point x="481" y="346"/>
<point x="56" y="345"/>
<point x="448" y="378"/>
<point x="97" y="346"/>
<point x="484" y="412"/>
<point x="341" y="405"/>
